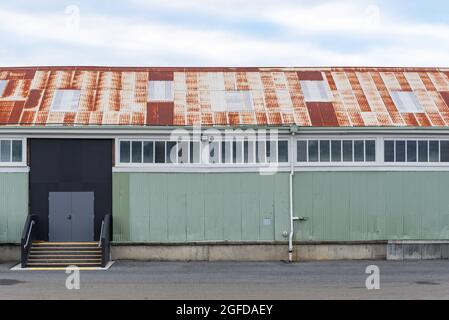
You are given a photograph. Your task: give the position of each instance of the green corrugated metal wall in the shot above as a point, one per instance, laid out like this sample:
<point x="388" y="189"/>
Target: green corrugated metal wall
<point x="372" y="205"/>
<point x="341" y="206"/>
<point x="176" y="207"/>
<point x="13" y="205"/>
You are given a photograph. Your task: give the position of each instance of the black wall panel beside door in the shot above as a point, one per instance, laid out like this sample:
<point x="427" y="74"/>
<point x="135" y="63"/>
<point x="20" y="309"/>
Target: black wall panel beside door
<point x="69" y="165"/>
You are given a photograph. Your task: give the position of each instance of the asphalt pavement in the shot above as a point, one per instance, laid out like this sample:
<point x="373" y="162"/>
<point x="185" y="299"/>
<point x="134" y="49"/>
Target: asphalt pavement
<point x="234" y="280"/>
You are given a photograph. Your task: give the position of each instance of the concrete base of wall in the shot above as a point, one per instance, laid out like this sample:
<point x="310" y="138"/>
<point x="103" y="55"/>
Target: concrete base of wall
<point x="393" y="250"/>
<point x="203" y="252"/>
<point x="357" y="251"/>
<point x="248" y="252"/>
<point x="9" y="252"/>
<point x="417" y="250"/>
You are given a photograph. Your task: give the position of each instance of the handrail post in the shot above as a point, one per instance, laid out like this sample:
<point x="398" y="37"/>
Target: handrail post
<point x="28" y="235"/>
<point x="105" y="235"/>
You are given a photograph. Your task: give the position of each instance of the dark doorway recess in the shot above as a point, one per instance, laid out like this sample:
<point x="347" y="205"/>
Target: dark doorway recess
<point x="70" y="165"/>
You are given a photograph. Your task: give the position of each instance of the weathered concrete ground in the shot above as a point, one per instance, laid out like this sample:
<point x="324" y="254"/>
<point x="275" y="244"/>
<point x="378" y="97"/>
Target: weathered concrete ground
<point x="233" y="280"/>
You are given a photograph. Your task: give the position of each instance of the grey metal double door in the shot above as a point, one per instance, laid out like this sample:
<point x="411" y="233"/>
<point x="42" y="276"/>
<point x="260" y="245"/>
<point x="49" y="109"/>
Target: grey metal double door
<point x="71" y="216"/>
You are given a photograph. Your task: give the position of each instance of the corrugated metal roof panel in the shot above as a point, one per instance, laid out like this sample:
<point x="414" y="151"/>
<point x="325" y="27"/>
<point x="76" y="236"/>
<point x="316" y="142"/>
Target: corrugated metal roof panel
<point x="118" y="96"/>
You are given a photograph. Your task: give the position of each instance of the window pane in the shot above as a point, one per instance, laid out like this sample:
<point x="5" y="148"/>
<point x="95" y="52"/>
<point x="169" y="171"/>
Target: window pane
<point x="5" y="151"/>
<point x="347" y="150"/>
<point x="283" y="151"/>
<point x="313" y="150"/>
<point x="301" y="151"/>
<point x="125" y="151"/>
<point x="389" y="151"/>
<point x="260" y="151"/>
<point x="423" y="151"/>
<point x="358" y="151"/>
<point x="370" y="150"/>
<point x="194" y="152"/>
<point x="183" y="152"/>
<point x="214" y="156"/>
<point x="136" y="149"/>
<point x="237" y="156"/>
<point x="411" y="151"/>
<point x="226" y="152"/>
<point x="400" y="151"/>
<point x="271" y="151"/>
<point x="148" y="152"/>
<point x="444" y="151"/>
<point x="17" y="151"/>
<point x="246" y="151"/>
<point x="159" y="152"/>
<point x="434" y="151"/>
<point x="336" y="150"/>
<point x="171" y="152"/>
<point x="251" y="154"/>
<point x="324" y="151"/>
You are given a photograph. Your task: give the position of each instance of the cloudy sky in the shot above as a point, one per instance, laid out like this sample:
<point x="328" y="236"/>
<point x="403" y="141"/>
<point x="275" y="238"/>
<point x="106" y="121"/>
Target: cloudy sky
<point x="224" y="33"/>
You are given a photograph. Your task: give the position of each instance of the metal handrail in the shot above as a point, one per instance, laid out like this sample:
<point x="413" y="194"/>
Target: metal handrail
<point x="101" y="233"/>
<point x="29" y="233"/>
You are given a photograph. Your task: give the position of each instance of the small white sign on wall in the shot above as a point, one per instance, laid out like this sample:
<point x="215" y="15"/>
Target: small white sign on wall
<point x="267" y="221"/>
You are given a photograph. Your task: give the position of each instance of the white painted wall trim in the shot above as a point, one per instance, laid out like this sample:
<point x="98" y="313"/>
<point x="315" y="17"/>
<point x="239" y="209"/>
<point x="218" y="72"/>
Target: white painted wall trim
<point x="177" y="169"/>
<point x="374" y="168"/>
<point x="4" y="169"/>
<point x="108" y="131"/>
<point x="284" y="169"/>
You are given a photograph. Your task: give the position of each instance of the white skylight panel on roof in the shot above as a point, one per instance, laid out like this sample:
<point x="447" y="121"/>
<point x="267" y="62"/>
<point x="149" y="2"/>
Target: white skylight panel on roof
<point x="66" y="100"/>
<point x="316" y="91"/>
<point x="217" y="101"/>
<point x="239" y="100"/>
<point x="160" y="91"/>
<point x="406" y="101"/>
<point x="2" y="86"/>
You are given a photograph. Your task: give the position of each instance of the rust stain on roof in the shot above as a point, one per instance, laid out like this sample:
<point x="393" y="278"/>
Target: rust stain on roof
<point x="118" y="96"/>
<point x="310" y="75"/>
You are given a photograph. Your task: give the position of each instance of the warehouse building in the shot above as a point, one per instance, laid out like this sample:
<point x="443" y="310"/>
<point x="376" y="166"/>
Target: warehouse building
<point x="221" y="163"/>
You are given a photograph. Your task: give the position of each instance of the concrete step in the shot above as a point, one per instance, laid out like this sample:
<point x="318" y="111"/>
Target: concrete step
<point x="53" y="256"/>
<point x="58" y="249"/>
<point x="64" y="260"/>
<point x="44" y="243"/>
<point x="62" y="264"/>
<point x="62" y="254"/>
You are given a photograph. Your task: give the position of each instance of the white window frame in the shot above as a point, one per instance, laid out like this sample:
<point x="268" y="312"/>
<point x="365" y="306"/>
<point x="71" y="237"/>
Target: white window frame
<point x="171" y="98"/>
<point x="379" y="164"/>
<point x="416" y="163"/>
<point x="22" y="163"/>
<point x="72" y="108"/>
<point x="203" y="164"/>
<point x="330" y="163"/>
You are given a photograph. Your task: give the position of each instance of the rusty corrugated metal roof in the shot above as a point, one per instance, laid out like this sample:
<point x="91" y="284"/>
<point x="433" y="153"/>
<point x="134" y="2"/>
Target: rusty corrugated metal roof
<point x="118" y="96"/>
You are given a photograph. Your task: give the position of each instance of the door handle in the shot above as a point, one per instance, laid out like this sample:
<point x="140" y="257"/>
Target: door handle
<point x="69" y="217"/>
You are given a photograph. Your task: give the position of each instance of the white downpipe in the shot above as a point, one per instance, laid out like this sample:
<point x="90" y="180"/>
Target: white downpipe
<point x="292" y="218"/>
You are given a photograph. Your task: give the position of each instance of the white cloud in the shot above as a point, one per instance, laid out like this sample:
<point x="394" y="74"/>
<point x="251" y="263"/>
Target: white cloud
<point x="102" y="39"/>
<point x="332" y="17"/>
